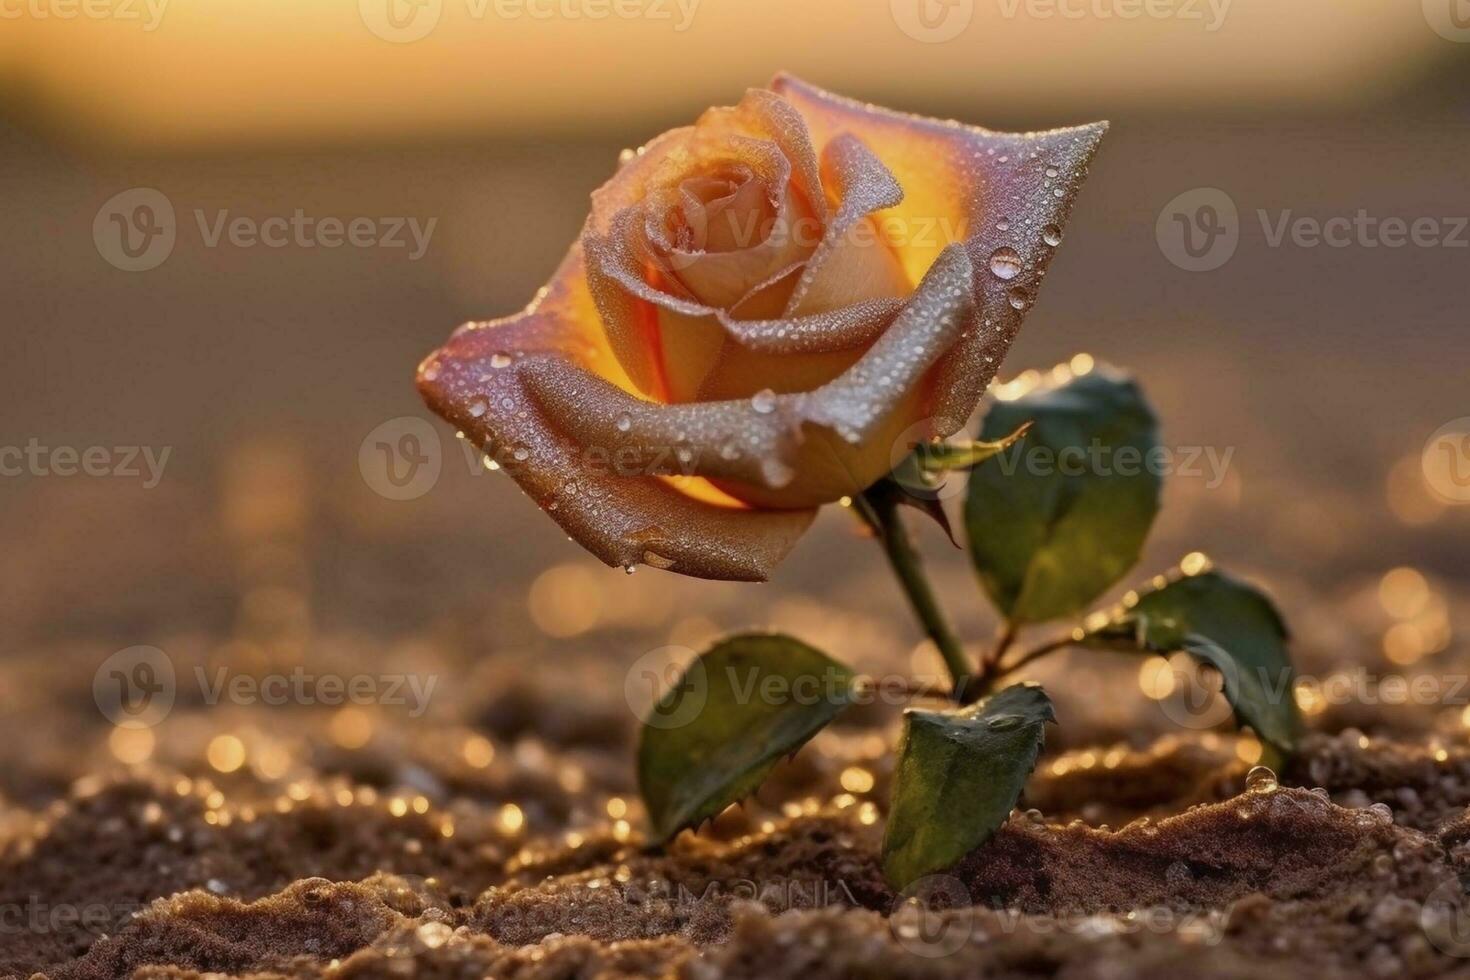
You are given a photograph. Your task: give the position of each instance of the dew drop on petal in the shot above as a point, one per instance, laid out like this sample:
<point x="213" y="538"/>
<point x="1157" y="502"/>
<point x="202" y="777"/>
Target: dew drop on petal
<point x="1052" y="235"/>
<point x="478" y="407"/>
<point x="1005" y="263"/>
<point x="499" y="360"/>
<point x="763" y="401"/>
<point x="1020" y="299"/>
<point x="624" y="423"/>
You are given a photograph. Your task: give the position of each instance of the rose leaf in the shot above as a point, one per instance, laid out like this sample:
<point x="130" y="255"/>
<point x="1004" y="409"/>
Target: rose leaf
<point x="1059" y="518"/>
<point x="959" y="776"/>
<point x="1232" y="627"/>
<point x="734" y="713"/>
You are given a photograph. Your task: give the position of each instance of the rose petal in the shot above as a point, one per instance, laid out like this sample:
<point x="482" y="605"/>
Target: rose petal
<point x="991" y="191"/>
<point x="786" y="450"/>
<point x="853" y="262"/>
<point x="478" y="382"/>
<point x="619" y="262"/>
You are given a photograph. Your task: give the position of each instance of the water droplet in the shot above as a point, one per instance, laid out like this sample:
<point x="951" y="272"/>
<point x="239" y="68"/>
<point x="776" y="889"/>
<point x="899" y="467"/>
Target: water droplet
<point x="1051" y="171"/>
<point x="478" y="407"/>
<point x="625" y="422"/>
<point x="1052" y="235"/>
<point x="763" y="401"/>
<point x="1004" y="723"/>
<point x="1058" y="193"/>
<point x="521" y="454"/>
<point x="1004" y="224"/>
<point x="1260" y="780"/>
<point x="1005" y="263"/>
<point x="499" y="360"/>
<point x="1020" y="299"/>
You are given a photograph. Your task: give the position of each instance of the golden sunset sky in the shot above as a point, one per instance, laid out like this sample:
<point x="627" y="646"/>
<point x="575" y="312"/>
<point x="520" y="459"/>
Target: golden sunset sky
<point x="162" y="74"/>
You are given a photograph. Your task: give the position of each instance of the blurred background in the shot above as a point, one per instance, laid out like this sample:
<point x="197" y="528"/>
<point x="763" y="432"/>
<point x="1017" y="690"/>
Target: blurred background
<point x="232" y="516"/>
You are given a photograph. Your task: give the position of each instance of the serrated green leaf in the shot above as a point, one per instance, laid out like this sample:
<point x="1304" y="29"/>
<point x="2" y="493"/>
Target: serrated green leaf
<point x="1229" y="625"/>
<point x="734" y="713"/>
<point x="959" y="776"/>
<point x="1056" y="520"/>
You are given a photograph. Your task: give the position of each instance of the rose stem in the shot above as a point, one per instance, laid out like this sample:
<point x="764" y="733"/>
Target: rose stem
<point x="882" y="516"/>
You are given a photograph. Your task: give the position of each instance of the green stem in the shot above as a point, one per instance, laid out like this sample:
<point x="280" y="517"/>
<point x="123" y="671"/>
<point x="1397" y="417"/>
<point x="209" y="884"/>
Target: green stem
<point x="881" y="515"/>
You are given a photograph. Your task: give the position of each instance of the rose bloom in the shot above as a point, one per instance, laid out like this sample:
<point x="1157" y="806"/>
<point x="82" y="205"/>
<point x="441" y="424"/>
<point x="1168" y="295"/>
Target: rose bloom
<point x="765" y="313"/>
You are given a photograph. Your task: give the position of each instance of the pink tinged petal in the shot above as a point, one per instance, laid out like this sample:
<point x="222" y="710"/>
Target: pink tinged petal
<point x="992" y="191"/>
<point x="846" y="328"/>
<point x="853" y="262"/>
<point x="478" y="382"/>
<point x="781" y="450"/>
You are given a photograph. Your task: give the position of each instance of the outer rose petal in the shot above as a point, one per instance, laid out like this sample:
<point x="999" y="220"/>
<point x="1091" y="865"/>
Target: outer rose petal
<point x="478" y="382"/>
<point x="963" y="183"/>
<point x="782" y="451"/>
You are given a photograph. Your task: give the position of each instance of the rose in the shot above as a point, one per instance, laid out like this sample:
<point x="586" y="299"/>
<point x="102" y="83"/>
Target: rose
<point x="764" y="309"/>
